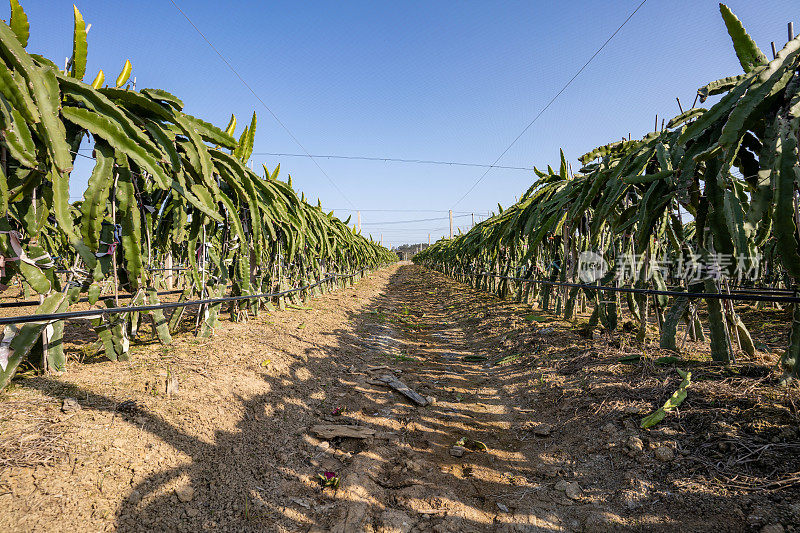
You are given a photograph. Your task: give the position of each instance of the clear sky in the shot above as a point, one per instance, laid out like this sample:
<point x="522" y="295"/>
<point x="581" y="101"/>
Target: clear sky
<point x="448" y="81"/>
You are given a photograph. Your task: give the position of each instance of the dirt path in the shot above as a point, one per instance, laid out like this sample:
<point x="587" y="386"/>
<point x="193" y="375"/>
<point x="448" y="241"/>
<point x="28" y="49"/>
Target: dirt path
<point x="548" y="442"/>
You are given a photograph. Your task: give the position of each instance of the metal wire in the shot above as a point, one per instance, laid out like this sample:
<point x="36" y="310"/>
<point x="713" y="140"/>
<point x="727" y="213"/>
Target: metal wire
<point x="655" y="292"/>
<point x="249" y="88"/>
<point x="96" y="313"/>
<point x="546" y="107"/>
<point x="397" y="160"/>
<point x="33" y="303"/>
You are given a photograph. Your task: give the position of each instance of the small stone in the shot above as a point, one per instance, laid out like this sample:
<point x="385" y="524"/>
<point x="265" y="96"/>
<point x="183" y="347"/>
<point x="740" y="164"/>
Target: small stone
<point x="664" y="454"/>
<point x="70" y="405"/>
<point x="414" y="466"/>
<point x="573" y="491"/>
<point x="609" y="428"/>
<point x="431" y="400"/>
<point x="185" y="493"/>
<point x="502" y="507"/>
<point x="302" y="502"/>
<point x="630" y="499"/>
<point x="542" y="430"/>
<point x="323" y="446"/>
<point x="548" y="470"/>
<point x="772" y="528"/>
<point x="635" y="444"/>
<point x="457" y="451"/>
<point x="192" y="512"/>
<point x="135" y="497"/>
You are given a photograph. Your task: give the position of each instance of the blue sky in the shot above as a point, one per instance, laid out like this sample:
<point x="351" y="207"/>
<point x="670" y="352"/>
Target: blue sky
<point x="451" y="81"/>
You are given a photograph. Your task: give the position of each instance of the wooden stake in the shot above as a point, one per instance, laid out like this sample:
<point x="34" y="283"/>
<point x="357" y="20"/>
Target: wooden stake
<point x="790" y="30"/>
<point x="774" y="53"/>
<point x="680" y="107"/>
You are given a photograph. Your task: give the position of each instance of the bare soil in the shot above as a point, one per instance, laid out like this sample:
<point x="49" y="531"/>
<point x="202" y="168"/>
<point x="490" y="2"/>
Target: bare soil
<point x="551" y="438"/>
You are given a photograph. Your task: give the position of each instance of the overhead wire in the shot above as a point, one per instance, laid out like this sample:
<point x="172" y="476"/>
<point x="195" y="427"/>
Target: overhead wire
<point x="397" y="160"/>
<point x="546" y="107"/>
<point x="313" y="158"/>
<point x="402" y="211"/>
<point x="461" y="214"/>
<point x="288" y="131"/>
<point x="412" y="221"/>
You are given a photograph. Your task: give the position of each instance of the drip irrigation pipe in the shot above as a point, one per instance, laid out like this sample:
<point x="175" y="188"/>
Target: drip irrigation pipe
<point x="32" y="303"/>
<point x="97" y="313"/>
<point x="655" y="292"/>
<point x="176" y="269"/>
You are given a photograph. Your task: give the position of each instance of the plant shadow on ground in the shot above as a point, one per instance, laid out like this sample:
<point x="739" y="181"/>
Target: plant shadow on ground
<point x="255" y="469"/>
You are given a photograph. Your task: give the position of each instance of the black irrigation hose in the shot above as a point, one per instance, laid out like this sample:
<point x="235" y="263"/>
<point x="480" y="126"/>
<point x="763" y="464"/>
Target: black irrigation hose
<point x="178" y="269"/>
<point x="32" y="303"/>
<point x="133" y="309"/>
<point x="733" y="289"/>
<point x="654" y="292"/>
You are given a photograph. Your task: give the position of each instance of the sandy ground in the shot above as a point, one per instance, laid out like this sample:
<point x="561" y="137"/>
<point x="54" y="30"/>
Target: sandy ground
<point x="551" y="439"/>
